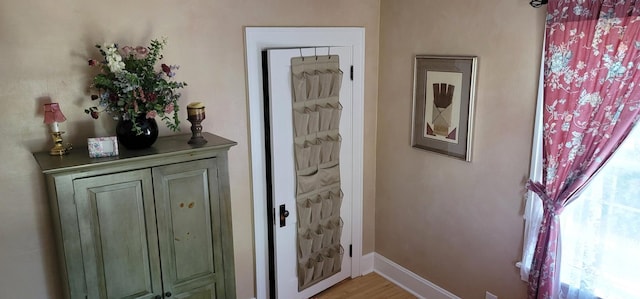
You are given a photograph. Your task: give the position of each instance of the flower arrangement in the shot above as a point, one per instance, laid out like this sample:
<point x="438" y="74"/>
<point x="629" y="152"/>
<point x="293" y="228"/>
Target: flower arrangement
<point x="128" y="84"/>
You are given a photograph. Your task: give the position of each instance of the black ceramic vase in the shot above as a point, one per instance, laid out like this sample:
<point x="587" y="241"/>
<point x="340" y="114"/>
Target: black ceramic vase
<point x="128" y="137"/>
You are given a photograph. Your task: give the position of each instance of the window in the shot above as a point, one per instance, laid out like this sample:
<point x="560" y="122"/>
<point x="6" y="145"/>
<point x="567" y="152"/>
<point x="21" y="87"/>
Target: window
<point x="600" y="230"/>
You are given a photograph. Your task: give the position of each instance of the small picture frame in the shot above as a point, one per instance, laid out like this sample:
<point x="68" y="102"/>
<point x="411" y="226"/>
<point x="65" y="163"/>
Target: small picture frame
<point x="103" y="147"/>
<point x="443" y="104"/>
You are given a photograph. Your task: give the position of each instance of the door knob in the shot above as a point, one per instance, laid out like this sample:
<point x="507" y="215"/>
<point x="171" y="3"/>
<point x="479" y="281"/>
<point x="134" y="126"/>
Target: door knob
<point x="167" y="294"/>
<point x="283" y="215"/>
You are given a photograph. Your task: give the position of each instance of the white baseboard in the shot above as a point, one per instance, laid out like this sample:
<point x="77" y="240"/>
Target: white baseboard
<point x="406" y="279"/>
<point x="366" y="263"/>
<point x="411" y="282"/>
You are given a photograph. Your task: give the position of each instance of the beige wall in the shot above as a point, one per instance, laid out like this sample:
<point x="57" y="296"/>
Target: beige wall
<point x="454" y="223"/>
<point x="457" y="224"/>
<point x="44" y="46"/>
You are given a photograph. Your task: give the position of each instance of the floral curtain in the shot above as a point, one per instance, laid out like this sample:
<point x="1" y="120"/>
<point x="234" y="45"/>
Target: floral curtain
<point x="591" y="102"/>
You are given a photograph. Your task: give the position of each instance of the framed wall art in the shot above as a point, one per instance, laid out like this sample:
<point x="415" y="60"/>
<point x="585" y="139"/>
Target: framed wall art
<point x="443" y="104"/>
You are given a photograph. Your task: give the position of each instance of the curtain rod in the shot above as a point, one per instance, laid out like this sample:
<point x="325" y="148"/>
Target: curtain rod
<point x="538" y="3"/>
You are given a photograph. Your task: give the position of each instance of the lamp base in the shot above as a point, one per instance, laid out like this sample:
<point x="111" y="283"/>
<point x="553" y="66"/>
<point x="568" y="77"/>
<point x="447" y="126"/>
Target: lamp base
<point x="59" y="149"/>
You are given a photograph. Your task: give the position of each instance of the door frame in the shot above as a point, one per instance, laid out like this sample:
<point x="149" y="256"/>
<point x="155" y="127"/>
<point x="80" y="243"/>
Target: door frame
<point x="258" y="39"/>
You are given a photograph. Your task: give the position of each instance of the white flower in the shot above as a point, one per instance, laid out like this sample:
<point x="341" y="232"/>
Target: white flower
<point x="116" y="67"/>
<point x="114" y="60"/>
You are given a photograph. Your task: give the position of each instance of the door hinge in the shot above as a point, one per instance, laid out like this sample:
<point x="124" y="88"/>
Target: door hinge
<point x="350" y="250"/>
<point x="351" y="73"/>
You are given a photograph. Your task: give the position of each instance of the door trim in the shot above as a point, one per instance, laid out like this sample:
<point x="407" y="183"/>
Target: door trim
<point x="258" y="39"/>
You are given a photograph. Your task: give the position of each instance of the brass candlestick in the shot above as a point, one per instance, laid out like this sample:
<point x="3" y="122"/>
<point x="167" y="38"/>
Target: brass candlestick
<point x="58" y="148"/>
<point x="195" y="115"/>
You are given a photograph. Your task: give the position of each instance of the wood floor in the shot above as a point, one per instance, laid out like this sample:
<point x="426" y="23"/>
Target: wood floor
<point x="370" y="286"/>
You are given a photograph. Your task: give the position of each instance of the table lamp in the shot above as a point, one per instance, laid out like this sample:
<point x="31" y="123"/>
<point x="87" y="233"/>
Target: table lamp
<point x="52" y="116"/>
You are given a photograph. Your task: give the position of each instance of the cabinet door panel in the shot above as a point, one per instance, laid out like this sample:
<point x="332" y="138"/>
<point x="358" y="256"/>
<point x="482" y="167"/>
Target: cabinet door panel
<point x="118" y="235"/>
<point x="208" y="292"/>
<point x="188" y="230"/>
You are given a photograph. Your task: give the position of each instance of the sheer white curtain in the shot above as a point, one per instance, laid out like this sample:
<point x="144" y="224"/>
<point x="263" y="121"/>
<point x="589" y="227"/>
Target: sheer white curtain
<point x="601" y="230"/>
<point x="533" y="207"/>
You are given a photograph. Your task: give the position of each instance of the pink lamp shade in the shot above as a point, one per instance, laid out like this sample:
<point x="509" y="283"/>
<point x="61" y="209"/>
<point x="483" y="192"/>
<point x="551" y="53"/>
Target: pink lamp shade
<point x="52" y="113"/>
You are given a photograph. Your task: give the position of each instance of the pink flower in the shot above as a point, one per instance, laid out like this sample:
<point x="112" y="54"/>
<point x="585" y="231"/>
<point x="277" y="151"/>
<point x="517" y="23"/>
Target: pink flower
<point x="92" y="62"/>
<point x="168" y="108"/>
<point x="127" y="50"/>
<point x="152" y="114"/>
<point x="140" y="94"/>
<point x="141" y="52"/>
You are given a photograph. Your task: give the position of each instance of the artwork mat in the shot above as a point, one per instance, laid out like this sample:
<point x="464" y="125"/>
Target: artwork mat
<point x="465" y="65"/>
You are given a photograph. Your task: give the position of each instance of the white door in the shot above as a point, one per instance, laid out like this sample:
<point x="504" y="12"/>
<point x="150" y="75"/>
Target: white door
<point x="283" y="169"/>
<point x="257" y="40"/>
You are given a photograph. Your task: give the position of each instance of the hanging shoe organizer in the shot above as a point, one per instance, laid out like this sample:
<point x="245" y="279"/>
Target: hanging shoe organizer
<point x="316" y="118"/>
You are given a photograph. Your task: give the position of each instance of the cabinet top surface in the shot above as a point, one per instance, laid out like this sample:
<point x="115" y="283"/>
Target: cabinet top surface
<point x="164" y="146"/>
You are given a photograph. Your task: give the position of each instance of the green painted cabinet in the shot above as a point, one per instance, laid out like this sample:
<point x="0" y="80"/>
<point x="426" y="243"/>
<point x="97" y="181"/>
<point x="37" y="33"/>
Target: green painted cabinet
<point x="152" y="223"/>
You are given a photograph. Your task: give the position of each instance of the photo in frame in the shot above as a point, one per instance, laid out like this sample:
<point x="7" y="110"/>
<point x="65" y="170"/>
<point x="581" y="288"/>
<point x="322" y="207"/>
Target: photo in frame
<point x="102" y="147"/>
<point x="443" y="104"/>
